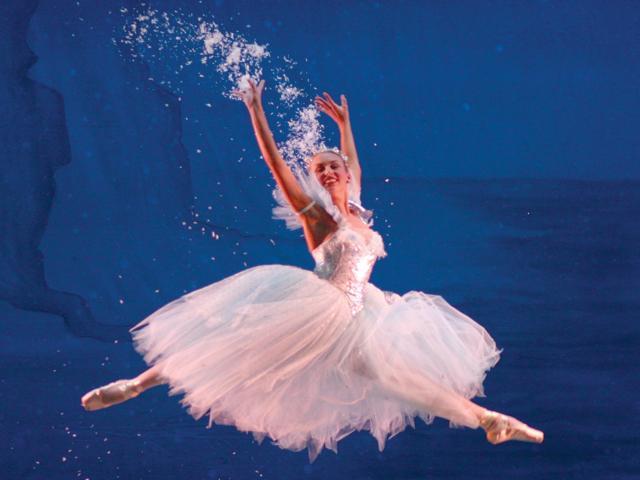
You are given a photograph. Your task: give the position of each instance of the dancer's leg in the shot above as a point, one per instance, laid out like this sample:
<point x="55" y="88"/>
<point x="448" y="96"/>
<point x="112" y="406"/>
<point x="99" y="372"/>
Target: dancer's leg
<point x="436" y="399"/>
<point x="419" y="389"/>
<point x="121" y="390"/>
<point x="445" y="403"/>
<point x="149" y="378"/>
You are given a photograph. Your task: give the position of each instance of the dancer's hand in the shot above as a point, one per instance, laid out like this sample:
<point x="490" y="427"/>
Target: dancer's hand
<point x="339" y="113"/>
<point x="251" y="95"/>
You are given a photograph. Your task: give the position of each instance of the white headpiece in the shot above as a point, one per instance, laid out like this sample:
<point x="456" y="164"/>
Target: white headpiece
<point x="325" y="149"/>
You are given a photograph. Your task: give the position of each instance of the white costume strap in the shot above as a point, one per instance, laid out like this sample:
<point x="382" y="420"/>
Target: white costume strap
<point x="311" y="204"/>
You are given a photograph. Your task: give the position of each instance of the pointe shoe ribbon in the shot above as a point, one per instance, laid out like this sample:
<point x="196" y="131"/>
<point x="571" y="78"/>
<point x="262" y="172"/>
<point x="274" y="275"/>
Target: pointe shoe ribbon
<point x="111" y="394"/>
<point x="501" y="428"/>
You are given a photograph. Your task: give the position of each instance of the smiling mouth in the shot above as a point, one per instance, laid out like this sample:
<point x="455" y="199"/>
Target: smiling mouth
<point x="330" y="181"/>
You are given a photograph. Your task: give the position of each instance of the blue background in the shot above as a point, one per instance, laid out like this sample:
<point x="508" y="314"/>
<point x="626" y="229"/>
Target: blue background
<point x="499" y="145"/>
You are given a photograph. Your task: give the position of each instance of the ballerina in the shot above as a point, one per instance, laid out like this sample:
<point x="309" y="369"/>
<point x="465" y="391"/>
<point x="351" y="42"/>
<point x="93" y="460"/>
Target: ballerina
<point x="308" y="357"/>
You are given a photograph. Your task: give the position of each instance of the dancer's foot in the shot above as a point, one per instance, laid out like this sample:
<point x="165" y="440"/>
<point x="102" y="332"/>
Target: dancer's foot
<point x="501" y="428"/>
<point x="111" y="394"/>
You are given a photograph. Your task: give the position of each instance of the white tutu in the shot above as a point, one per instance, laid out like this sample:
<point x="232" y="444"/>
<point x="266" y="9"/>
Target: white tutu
<point x="275" y="350"/>
<point x="307" y="357"/>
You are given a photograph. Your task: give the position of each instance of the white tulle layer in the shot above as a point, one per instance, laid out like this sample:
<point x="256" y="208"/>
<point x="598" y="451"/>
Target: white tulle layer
<point x="274" y="350"/>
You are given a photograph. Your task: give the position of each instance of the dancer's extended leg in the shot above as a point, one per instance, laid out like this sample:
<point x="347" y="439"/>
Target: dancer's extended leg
<point x="121" y="390"/>
<point x="434" y="398"/>
<point x="442" y="402"/>
<point x="150" y="378"/>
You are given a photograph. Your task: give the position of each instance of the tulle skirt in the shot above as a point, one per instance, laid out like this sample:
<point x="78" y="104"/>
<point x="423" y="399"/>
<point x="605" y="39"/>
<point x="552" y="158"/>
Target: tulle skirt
<point x="275" y="350"/>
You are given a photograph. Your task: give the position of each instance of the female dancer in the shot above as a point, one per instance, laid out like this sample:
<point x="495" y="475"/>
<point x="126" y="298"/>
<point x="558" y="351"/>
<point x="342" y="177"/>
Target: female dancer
<point x="307" y="357"/>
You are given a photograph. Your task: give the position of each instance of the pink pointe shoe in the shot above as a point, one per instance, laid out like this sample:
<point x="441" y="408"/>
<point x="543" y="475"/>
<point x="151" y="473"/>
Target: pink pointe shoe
<point x="501" y="428"/>
<point x="111" y="394"/>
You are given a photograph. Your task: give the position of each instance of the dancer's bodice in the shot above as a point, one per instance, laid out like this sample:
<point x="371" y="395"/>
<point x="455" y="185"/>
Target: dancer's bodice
<point x="346" y="259"/>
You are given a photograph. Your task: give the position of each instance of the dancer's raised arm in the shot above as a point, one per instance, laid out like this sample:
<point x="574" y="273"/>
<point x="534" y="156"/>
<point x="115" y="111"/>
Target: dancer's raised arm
<point x="295" y="195"/>
<point x="340" y="114"/>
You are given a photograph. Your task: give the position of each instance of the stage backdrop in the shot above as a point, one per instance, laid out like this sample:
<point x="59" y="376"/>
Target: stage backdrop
<point x="500" y="153"/>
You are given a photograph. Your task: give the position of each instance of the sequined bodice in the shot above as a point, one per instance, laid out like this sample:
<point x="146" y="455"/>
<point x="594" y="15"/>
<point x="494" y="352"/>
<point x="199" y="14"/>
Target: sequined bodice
<point x="346" y="259"/>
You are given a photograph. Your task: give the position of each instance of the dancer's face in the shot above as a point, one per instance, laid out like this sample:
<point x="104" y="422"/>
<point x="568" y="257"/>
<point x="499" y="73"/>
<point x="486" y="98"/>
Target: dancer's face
<point x="331" y="171"/>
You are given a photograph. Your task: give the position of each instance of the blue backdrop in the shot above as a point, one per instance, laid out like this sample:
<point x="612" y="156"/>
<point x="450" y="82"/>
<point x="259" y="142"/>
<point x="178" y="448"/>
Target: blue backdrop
<point x="499" y="149"/>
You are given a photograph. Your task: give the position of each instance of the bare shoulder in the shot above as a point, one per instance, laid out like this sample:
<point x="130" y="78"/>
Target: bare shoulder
<point x="317" y="225"/>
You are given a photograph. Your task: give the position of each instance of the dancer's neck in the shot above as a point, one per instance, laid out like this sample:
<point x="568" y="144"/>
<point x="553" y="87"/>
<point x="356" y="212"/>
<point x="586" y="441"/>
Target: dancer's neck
<point x="342" y="204"/>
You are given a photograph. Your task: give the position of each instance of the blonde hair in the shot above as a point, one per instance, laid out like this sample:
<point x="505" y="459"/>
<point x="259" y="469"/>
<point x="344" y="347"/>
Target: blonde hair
<point x="335" y="151"/>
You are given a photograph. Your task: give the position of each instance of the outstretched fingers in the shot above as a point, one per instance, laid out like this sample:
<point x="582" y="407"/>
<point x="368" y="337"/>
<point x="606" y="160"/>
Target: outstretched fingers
<point x="338" y="112"/>
<point x="329" y="99"/>
<point x="249" y="93"/>
<point x="252" y="85"/>
<point x="327" y="108"/>
<point x="343" y="102"/>
<point x="320" y="103"/>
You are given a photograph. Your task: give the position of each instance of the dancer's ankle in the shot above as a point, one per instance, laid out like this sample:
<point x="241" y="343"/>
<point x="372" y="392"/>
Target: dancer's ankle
<point x="137" y="386"/>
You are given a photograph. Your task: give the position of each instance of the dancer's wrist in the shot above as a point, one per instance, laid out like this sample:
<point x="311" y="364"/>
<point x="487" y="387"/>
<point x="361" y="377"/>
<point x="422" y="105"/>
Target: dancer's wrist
<point x="344" y="125"/>
<point x="255" y="107"/>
